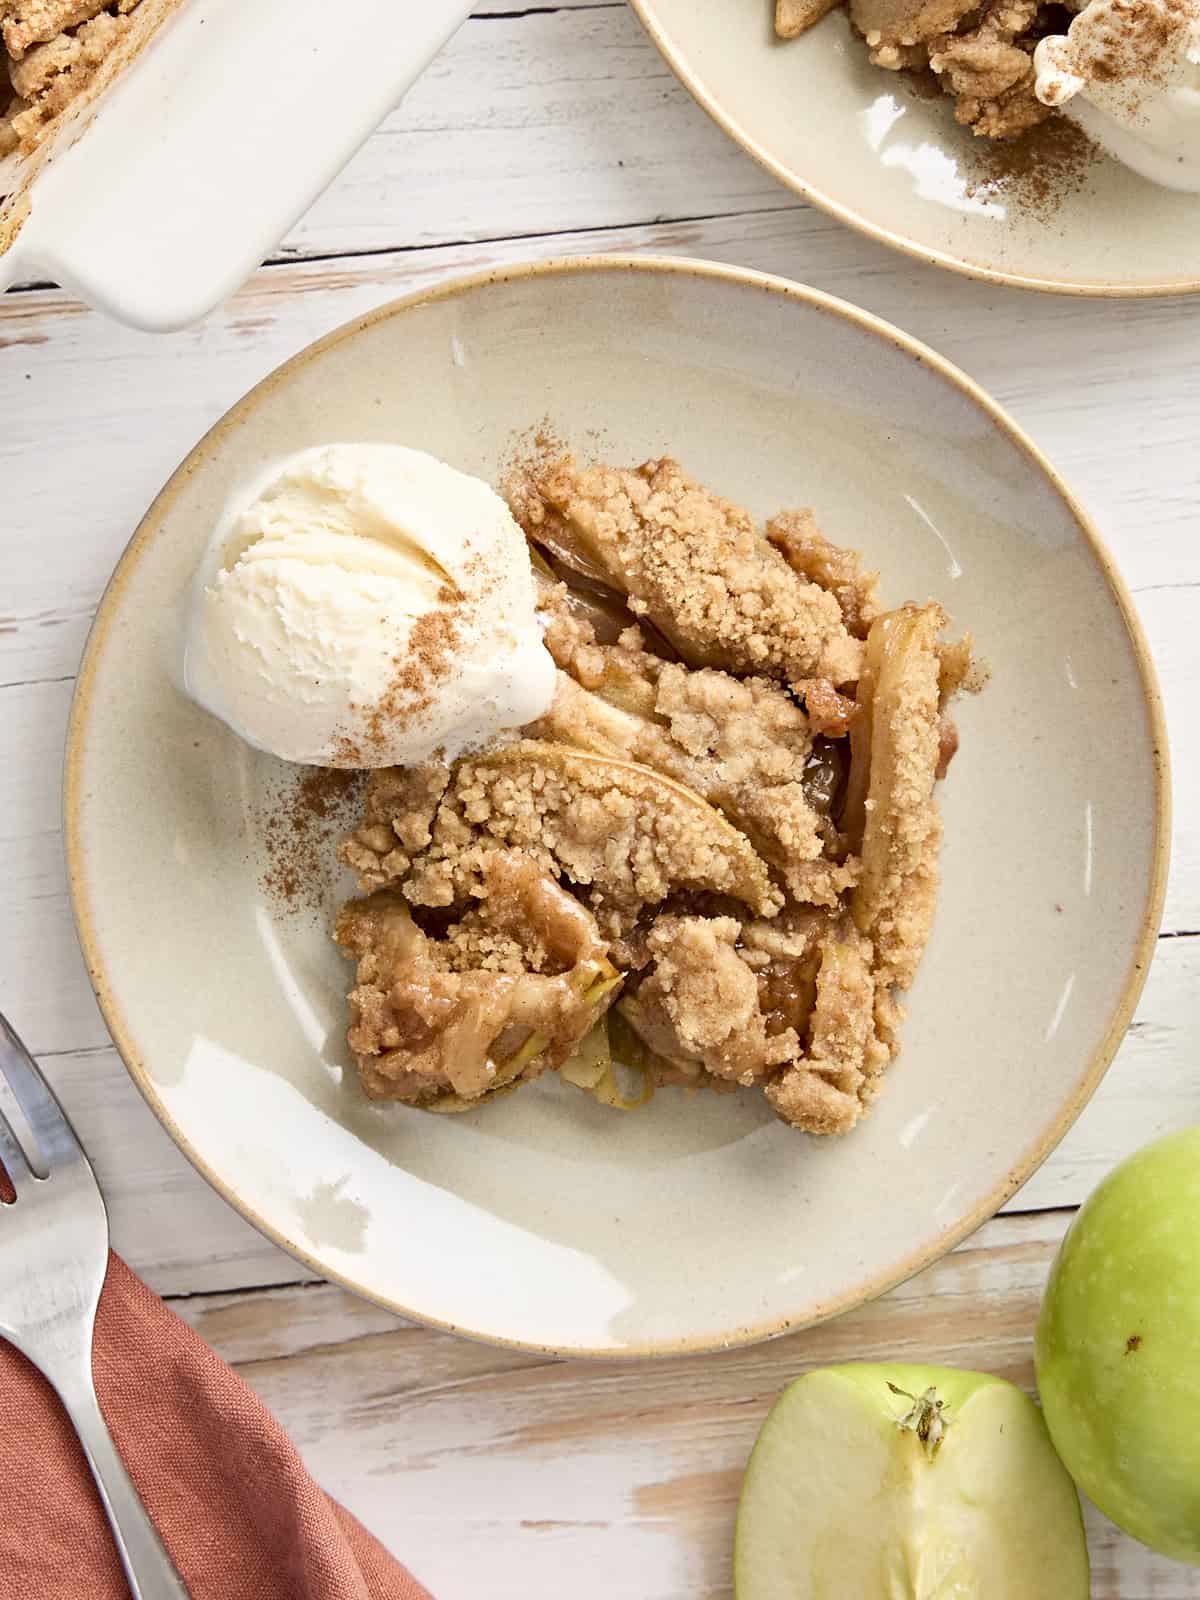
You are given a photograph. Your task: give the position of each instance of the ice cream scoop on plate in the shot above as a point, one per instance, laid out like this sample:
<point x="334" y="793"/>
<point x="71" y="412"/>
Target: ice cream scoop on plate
<point x="368" y="606"/>
<point x="1128" y="71"/>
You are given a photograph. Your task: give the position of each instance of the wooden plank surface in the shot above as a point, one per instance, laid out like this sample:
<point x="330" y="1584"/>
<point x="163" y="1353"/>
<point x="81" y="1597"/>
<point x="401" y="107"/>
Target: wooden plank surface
<point x="556" y="119"/>
<point x="545" y="130"/>
<point x="501" y="1474"/>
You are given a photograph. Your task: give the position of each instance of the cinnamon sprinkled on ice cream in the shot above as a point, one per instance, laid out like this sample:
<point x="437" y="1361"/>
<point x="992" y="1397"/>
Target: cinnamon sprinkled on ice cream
<point x="1128" y="71"/>
<point x="369" y="606"/>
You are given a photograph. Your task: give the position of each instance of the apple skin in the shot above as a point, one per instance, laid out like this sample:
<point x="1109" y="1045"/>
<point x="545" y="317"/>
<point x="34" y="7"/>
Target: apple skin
<point x="1118" y="1347"/>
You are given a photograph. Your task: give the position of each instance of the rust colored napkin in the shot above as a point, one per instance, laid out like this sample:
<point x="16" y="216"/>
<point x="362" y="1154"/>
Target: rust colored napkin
<point x="226" y="1489"/>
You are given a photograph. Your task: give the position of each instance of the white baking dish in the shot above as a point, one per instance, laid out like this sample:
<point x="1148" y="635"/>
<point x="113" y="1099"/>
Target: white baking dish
<point x="210" y="145"/>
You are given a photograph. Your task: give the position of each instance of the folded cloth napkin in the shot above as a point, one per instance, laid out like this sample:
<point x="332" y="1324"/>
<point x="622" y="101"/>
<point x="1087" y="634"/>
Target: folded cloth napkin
<point x="226" y="1489"/>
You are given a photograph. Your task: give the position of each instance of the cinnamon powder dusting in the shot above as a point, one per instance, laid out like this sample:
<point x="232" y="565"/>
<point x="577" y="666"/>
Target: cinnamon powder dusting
<point x="1036" y="171"/>
<point x="530" y="449"/>
<point x="1137" y="48"/>
<point x="419" y="668"/>
<point x="299" y="828"/>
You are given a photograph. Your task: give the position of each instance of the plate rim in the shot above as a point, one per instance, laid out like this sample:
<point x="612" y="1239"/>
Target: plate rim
<point x="1086" y="288"/>
<point x="74" y="797"/>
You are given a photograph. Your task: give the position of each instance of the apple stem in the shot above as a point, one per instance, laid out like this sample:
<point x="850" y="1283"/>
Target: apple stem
<point x="927" y="1418"/>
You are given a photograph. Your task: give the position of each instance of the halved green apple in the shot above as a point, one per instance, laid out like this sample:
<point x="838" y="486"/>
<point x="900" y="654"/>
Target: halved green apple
<point x="907" y="1483"/>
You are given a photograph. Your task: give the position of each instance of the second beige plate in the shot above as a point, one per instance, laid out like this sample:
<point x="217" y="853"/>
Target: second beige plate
<point x="546" y="1220"/>
<point x="856" y="141"/>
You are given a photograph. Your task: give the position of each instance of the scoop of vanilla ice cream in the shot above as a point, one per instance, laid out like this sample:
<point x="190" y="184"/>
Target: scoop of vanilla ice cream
<point x="368" y="607"/>
<point x="1128" y="71"/>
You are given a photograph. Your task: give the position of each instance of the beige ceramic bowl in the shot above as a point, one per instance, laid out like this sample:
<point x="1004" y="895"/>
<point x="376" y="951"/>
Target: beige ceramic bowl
<point x="545" y="1220"/>
<point x="854" y="140"/>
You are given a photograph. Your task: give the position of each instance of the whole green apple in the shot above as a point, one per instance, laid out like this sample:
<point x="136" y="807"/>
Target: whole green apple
<point x="1118" y="1347"/>
<point x="907" y="1483"/>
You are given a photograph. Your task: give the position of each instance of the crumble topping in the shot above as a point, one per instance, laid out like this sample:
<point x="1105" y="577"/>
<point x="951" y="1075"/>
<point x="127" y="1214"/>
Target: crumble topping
<point x="742" y="745"/>
<point x="980" y="55"/>
<point x="398" y="815"/>
<point x="811" y="556"/>
<point x="793" y="17"/>
<point x="623" y="834"/>
<point x="715" y="856"/>
<point x="695" y="565"/>
<point x="700" y="1002"/>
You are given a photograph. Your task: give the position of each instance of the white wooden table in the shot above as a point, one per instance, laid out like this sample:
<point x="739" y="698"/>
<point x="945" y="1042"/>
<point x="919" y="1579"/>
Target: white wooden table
<point x="542" y="131"/>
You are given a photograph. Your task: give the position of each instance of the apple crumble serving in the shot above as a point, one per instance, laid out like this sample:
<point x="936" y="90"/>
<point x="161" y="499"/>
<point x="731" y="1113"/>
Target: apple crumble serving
<point x="981" y="55"/>
<point x="714" y="860"/>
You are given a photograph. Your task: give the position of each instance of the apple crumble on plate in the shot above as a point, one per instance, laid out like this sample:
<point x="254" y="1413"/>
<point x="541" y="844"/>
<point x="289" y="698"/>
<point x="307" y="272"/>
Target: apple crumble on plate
<point x="714" y="860"/>
<point x="981" y="55"/>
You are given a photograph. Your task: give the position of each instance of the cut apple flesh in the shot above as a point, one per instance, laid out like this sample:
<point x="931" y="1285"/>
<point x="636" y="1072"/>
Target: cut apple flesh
<point x="841" y="1501"/>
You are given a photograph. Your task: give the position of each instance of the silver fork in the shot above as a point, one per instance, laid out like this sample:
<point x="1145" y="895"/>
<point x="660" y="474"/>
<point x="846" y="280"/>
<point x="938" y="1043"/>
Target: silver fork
<point x="53" y="1259"/>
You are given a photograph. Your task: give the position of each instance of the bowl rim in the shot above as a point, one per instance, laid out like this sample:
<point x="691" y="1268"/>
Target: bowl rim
<point x="1089" y="288"/>
<point x="74" y="795"/>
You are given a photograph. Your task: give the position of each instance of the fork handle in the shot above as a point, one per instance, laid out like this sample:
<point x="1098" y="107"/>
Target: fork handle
<point x="148" y="1568"/>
